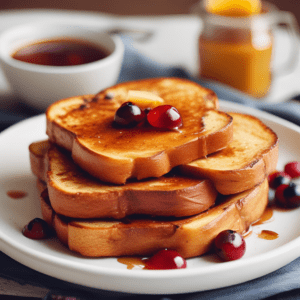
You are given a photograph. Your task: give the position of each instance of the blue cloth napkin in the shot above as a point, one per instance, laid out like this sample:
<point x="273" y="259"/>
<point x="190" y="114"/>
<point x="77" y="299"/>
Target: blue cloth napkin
<point x="281" y="284"/>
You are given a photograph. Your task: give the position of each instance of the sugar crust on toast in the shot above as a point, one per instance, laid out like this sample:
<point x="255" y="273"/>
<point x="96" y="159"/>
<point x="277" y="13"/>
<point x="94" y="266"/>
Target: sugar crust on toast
<point x="245" y="162"/>
<point x="74" y="193"/>
<point x="191" y="236"/>
<point x="83" y="125"/>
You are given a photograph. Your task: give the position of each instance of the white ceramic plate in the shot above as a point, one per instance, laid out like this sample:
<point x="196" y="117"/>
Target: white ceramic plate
<point x="202" y="273"/>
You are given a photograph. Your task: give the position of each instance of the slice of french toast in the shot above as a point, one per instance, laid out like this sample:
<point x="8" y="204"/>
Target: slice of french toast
<point x="75" y="193"/>
<point x="245" y="162"/>
<point x="84" y="126"/>
<point x="191" y="236"/>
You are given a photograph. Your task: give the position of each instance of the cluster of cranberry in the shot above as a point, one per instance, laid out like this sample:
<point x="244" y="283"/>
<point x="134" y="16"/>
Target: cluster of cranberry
<point x="162" y="116"/>
<point x="228" y="245"/>
<point x="286" y="185"/>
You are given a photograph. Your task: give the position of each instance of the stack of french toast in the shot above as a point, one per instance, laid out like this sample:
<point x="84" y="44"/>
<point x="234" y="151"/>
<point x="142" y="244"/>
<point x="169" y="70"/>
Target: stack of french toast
<point x="111" y="191"/>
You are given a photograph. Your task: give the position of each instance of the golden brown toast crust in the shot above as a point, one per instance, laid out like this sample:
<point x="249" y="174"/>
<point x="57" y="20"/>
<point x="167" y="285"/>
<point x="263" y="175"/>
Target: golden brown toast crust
<point x="192" y="236"/>
<point x="74" y="193"/>
<point x="84" y="126"/>
<point x="245" y="162"/>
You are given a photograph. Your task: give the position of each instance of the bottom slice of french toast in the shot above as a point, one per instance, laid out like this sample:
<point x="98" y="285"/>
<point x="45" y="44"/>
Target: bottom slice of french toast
<point x="191" y="236"/>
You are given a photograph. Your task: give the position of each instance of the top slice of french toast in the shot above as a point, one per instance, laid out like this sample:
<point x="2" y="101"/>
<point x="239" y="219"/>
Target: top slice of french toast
<point x="84" y="125"/>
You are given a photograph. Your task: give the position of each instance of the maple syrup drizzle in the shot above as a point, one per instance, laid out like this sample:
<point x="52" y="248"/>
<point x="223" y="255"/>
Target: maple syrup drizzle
<point x="268" y="235"/>
<point x="131" y="262"/>
<point x="247" y="233"/>
<point x="266" y="216"/>
<point x="14" y="194"/>
<point x="264" y="234"/>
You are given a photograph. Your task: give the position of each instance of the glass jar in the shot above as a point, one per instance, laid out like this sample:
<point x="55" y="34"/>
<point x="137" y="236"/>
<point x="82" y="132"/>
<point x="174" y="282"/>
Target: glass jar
<point x="238" y="51"/>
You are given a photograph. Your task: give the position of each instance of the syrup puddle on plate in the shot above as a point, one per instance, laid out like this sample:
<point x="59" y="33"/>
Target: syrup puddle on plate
<point x="268" y="235"/>
<point x="132" y="262"/>
<point x="15" y="194"/>
<point x="265" y="218"/>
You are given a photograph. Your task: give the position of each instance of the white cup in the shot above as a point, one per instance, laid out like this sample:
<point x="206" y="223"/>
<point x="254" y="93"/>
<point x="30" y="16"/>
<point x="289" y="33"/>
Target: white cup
<point x="41" y="85"/>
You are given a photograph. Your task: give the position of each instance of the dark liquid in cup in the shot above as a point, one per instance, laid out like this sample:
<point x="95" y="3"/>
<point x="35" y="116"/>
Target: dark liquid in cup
<point x="60" y="52"/>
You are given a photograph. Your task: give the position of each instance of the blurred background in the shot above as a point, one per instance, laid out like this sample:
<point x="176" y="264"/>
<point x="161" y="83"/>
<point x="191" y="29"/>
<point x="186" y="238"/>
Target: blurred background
<point x="131" y="7"/>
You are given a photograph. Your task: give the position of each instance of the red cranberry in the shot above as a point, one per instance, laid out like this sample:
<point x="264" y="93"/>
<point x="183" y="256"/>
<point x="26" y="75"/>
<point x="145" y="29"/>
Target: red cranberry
<point x="292" y="194"/>
<point x="288" y="195"/>
<point x="278" y="178"/>
<point x="279" y="194"/>
<point x="129" y="115"/>
<point x="230" y="245"/>
<point x="37" y="229"/>
<point x="164" y="260"/>
<point x="293" y="169"/>
<point x="165" y="117"/>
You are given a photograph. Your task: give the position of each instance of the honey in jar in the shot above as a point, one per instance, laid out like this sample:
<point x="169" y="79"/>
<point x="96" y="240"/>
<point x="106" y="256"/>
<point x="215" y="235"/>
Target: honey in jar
<point x="236" y="44"/>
